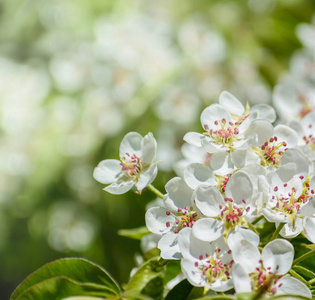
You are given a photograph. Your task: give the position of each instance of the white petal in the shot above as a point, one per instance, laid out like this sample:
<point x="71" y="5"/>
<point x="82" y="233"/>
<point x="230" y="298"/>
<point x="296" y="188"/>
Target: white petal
<point x="107" y="171"/>
<point x="293" y="163"/>
<point x="194" y="153"/>
<point x="262" y="128"/>
<point x="120" y="187"/>
<point x="246" y="254"/>
<point x="309" y="119"/>
<point x="196" y="174"/>
<point x="208" y="200"/>
<point x="193" y="274"/>
<point x="286" y="134"/>
<point x="210" y="146"/>
<point x="292" y="286"/>
<point x="239" y="188"/>
<point x="221" y="286"/>
<point x="179" y="194"/>
<point x="308" y="210"/>
<point x="147" y="177"/>
<point x="288" y="231"/>
<point x="274" y="216"/>
<point x="193" y="138"/>
<point x="309" y="225"/>
<point x="278" y="256"/>
<point x="208" y="229"/>
<point x="131" y="144"/>
<point x="265" y="111"/>
<point x="184" y="237"/>
<point x="231" y="104"/>
<point x="241" y="158"/>
<point x="241" y="279"/>
<point x="242" y="234"/>
<point x="148" y="148"/>
<point x="221" y="163"/>
<point x="156" y="219"/>
<point x="212" y="113"/>
<point x="168" y="245"/>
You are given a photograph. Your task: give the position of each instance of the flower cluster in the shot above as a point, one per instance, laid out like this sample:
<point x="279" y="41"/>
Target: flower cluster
<point x="246" y="173"/>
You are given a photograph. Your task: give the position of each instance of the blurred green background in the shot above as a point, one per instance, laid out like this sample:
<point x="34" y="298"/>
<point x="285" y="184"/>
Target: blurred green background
<point x="77" y="75"/>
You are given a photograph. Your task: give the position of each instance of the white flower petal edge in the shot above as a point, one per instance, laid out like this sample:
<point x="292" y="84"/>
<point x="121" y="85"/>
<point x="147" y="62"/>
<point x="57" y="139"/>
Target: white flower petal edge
<point x="278" y="256"/>
<point x="246" y="254"/>
<point x="241" y="279"/>
<point x="131" y="143"/>
<point x="107" y="171"/>
<point x="292" y="286"/>
<point x="232" y="104"/>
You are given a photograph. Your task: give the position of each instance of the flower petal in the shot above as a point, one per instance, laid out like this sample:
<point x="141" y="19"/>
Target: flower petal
<point x="196" y="174"/>
<point x="147" y="177"/>
<point x="278" y="256"/>
<point x="193" y="274"/>
<point x="120" y="187"/>
<point x="193" y="138"/>
<point x="156" y="219"/>
<point x="292" y="286"/>
<point x="107" y="171"/>
<point x="240" y="234"/>
<point x="241" y="279"/>
<point x="131" y="144"/>
<point x="232" y="104"/>
<point x="265" y="111"/>
<point x="178" y="194"/>
<point x="309" y="225"/>
<point x="208" y="229"/>
<point x="208" y="200"/>
<point x="239" y="188"/>
<point x="212" y="113"/>
<point x="168" y="245"/>
<point x="148" y="146"/>
<point x="246" y="254"/>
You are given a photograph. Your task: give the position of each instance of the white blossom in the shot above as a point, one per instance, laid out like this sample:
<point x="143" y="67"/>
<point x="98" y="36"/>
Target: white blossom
<point x="135" y="168"/>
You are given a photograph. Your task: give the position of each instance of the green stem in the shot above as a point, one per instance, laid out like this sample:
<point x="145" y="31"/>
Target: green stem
<point x="155" y="191"/>
<point x="276" y="233"/>
<point x="311" y="281"/>
<point x="257" y="220"/>
<point x="304" y="256"/>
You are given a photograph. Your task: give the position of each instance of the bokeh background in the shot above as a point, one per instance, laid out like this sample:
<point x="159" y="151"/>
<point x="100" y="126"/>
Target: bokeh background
<point x="77" y="75"/>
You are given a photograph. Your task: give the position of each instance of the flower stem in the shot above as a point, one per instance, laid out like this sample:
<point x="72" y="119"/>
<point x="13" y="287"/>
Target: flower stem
<point x="155" y="191"/>
<point x="276" y="233"/>
<point x="304" y="256"/>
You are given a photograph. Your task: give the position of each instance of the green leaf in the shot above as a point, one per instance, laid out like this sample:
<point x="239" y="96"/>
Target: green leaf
<point x="135" y="233"/>
<point x="222" y="297"/>
<point x="297" y="276"/>
<point x="173" y="269"/>
<point x="76" y="270"/>
<point x="154" y="252"/>
<point x="132" y="295"/>
<point x="304" y="271"/>
<point x="58" y="288"/>
<point x="82" y="298"/>
<point x="184" y="291"/>
<point x="149" y="279"/>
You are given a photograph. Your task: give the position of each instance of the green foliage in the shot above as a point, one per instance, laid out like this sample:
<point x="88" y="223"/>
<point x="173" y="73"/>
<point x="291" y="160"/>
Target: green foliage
<point x="184" y="291"/>
<point x="148" y="280"/>
<point x="135" y="233"/>
<point x="65" y="278"/>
